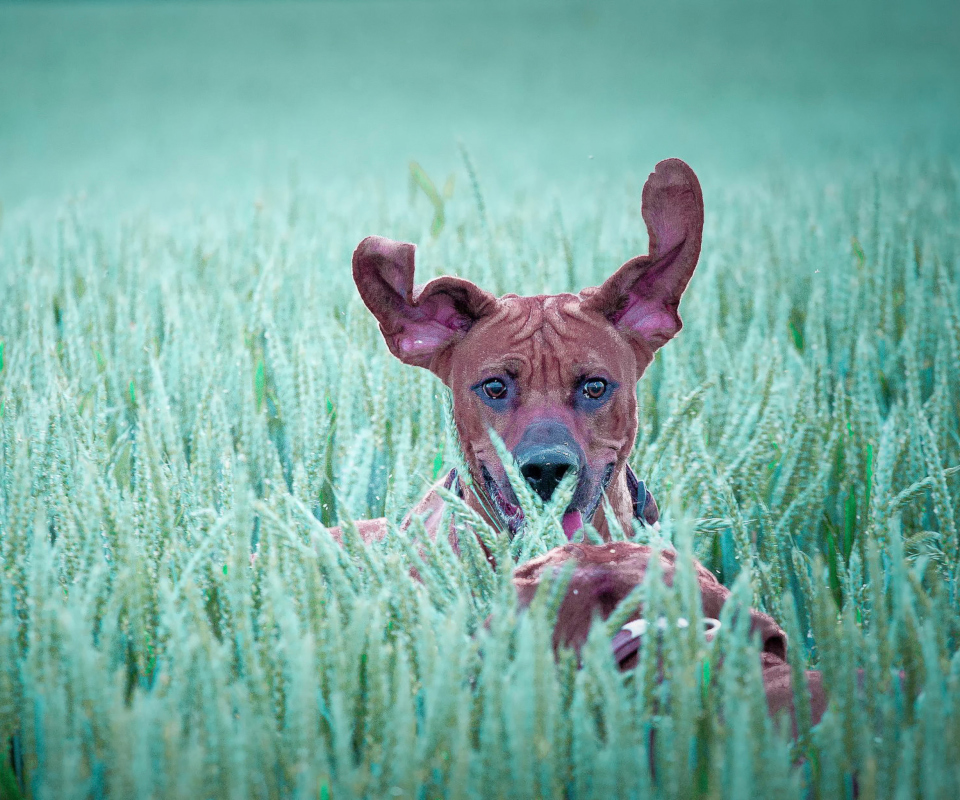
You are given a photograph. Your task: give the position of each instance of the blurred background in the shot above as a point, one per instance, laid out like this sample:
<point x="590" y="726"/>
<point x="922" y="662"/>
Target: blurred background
<point x="150" y="104"/>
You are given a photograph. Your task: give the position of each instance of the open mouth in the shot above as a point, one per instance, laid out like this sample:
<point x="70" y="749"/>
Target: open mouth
<point x="512" y="517"/>
<point x="510" y="514"/>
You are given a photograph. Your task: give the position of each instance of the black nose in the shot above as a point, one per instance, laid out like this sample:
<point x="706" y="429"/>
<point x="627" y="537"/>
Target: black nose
<point x="544" y="469"/>
<point x="546" y="453"/>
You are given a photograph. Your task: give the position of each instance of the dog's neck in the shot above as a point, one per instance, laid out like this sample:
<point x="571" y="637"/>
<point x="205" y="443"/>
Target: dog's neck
<point x="621" y="503"/>
<point x="620" y="495"/>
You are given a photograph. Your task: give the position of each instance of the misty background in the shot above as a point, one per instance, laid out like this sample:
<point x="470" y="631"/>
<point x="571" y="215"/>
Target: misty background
<point x="153" y="105"/>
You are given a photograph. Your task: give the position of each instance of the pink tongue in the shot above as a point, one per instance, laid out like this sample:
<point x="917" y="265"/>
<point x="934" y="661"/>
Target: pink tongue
<point x="572" y="522"/>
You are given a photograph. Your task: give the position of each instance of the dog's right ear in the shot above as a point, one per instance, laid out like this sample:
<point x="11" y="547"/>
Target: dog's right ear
<point x="417" y="322"/>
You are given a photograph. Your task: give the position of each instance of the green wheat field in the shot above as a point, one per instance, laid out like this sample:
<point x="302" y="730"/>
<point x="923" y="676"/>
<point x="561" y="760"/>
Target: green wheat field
<point x="191" y="391"/>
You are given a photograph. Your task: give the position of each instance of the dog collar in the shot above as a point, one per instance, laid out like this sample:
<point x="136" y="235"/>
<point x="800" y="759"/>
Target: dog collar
<point x="644" y="506"/>
<point x="627" y="641"/>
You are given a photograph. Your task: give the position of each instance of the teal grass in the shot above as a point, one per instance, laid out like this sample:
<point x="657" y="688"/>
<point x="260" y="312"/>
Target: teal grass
<point x="184" y="411"/>
<point x="191" y="392"/>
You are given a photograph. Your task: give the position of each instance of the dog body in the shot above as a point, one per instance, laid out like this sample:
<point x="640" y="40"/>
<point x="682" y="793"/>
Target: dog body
<point x="604" y="575"/>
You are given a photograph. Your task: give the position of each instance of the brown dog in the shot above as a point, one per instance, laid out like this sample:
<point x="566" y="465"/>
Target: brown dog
<point x="554" y="376"/>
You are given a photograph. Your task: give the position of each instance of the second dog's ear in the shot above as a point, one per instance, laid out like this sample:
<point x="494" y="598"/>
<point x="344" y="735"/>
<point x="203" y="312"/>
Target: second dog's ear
<point x="418" y="323"/>
<point x="641" y="298"/>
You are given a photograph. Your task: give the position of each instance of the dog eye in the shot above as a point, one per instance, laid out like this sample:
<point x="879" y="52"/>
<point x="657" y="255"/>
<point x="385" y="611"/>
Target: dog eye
<point x="595" y="389"/>
<point x="495" y="389"/>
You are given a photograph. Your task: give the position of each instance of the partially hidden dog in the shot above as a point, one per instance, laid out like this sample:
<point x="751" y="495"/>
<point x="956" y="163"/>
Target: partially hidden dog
<point x="554" y="376"/>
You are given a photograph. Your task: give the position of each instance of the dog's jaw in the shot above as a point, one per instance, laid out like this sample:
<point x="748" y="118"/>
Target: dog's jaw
<point x="509" y="514"/>
<point x="511" y="517"/>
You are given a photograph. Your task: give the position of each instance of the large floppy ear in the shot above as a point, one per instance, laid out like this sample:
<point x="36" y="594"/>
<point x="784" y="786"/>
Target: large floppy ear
<point x="641" y="298"/>
<point x="417" y="322"/>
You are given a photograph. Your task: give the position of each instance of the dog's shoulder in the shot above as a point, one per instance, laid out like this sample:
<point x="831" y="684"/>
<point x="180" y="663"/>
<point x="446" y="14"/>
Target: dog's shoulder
<point x="429" y="509"/>
<point x="370" y="530"/>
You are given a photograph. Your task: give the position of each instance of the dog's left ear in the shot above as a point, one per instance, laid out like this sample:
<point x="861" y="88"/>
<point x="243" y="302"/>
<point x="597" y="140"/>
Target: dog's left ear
<point x="641" y="298"/>
<point x="418" y="322"/>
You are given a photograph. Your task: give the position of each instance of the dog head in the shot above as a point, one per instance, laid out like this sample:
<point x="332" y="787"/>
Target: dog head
<point x="555" y="375"/>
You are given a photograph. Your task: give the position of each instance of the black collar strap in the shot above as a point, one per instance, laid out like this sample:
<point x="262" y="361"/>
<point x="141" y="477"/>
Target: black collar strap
<point x="644" y="506"/>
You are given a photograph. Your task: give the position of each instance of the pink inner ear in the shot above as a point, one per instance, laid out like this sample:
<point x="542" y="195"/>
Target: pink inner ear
<point x="441" y="313"/>
<point x="650" y="321"/>
<point x="416" y="322"/>
<point x="423" y="337"/>
<point x="652" y="300"/>
<point x="433" y="319"/>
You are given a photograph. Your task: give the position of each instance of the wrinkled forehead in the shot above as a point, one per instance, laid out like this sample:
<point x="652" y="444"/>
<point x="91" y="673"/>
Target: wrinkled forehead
<point x="544" y="339"/>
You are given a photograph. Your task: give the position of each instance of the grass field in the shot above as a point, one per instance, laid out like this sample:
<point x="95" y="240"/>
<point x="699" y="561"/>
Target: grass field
<point x="190" y="390"/>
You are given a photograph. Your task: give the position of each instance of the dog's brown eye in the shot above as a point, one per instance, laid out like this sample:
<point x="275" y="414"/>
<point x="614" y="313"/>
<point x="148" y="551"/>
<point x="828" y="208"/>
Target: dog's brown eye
<point x="595" y="389"/>
<point x="495" y="389"/>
